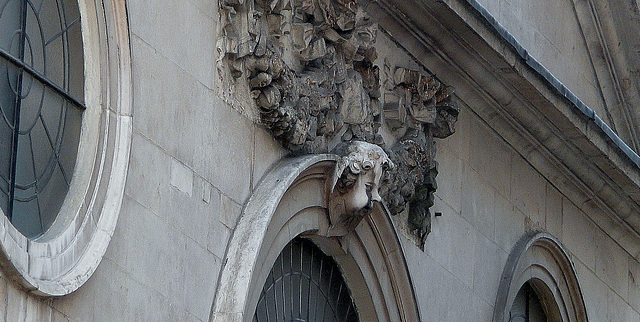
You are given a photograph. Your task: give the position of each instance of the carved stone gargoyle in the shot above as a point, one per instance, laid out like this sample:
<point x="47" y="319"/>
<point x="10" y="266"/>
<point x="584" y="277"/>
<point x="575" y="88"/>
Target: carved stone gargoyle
<point x="354" y="187"/>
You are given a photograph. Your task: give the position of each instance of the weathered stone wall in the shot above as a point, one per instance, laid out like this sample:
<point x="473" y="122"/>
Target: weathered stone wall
<point x="197" y="153"/>
<point x="551" y="33"/>
<point x="489" y="197"/>
<point x="194" y="162"/>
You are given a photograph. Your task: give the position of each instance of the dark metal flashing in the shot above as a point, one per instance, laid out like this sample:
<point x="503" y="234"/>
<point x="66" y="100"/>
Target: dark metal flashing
<point x="554" y="83"/>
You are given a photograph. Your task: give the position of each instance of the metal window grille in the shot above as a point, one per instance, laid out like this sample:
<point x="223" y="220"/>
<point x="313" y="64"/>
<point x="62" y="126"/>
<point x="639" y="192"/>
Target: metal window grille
<point x="305" y="285"/>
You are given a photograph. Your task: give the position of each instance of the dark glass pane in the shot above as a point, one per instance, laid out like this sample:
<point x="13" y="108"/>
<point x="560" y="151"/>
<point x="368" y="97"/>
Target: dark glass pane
<point x="42" y="63"/>
<point x="527" y="306"/>
<point x="53" y="42"/>
<point x="76" y="61"/>
<point x="34" y="41"/>
<point x="7" y="101"/>
<point x="26" y="194"/>
<point x="33" y="96"/>
<point x="9" y="24"/>
<point x="305" y="285"/>
<point x="70" y="140"/>
<point x="51" y="197"/>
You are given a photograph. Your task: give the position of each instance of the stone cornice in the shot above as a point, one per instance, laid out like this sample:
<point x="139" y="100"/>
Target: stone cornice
<point x="547" y="127"/>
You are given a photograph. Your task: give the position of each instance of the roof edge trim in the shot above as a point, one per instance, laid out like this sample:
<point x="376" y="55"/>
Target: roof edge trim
<point x="555" y="83"/>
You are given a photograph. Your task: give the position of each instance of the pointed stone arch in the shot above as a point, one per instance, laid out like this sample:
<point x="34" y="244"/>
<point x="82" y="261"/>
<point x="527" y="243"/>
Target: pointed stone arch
<point x="292" y="200"/>
<point x="540" y="259"/>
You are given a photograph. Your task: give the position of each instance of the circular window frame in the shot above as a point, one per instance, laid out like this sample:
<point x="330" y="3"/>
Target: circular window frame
<point x="66" y="255"/>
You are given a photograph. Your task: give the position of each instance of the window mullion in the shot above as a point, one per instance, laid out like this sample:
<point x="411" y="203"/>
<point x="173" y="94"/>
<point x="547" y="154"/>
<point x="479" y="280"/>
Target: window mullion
<point x="42" y="79"/>
<point x="17" y="106"/>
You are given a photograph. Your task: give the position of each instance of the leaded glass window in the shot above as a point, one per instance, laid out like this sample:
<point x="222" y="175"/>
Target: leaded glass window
<point x="41" y="104"/>
<point x="305" y="285"/>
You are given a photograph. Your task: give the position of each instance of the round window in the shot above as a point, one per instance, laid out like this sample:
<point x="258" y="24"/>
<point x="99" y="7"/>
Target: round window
<point x="41" y="102"/>
<point x="65" y="137"/>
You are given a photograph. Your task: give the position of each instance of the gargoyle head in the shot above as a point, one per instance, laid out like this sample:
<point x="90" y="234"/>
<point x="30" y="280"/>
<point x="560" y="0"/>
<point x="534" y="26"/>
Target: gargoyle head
<point x="354" y="188"/>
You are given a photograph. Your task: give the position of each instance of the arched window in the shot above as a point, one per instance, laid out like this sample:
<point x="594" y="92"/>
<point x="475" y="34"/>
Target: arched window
<point x="305" y="284"/>
<point x="539" y="283"/>
<point x="292" y="201"/>
<point x="527" y="306"/>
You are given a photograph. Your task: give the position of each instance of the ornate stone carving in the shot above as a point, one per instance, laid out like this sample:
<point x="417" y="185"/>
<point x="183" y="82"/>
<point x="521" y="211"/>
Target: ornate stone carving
<point x="414" y="100"/>
<point x="354" y="187"/>
<point x="422" y="109"/>
<point x="309" y="65"/>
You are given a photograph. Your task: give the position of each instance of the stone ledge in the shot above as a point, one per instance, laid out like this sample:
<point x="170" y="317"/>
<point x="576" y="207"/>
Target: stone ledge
<point x="544" y="125"/>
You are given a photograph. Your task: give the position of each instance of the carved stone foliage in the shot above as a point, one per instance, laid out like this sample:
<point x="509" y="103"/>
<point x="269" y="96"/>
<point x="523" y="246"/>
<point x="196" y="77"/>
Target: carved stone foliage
<point x="309" y="65"/>
<point x="423" y="109"/>
<point x="415" y="100"/>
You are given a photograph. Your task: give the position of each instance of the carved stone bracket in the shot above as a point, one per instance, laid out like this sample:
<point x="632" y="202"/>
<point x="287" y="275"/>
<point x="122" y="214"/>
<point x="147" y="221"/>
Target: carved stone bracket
<point x="354" y="187"/>
<point x="309" y="65"/>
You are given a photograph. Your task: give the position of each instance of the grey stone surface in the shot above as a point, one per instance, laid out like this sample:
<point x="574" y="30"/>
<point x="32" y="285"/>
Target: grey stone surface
<point x="553" y="206"/>
<point x="619" y="310"/>
<point x="108" y="291"/>
<point x="195" y="161"/>
<point x="56" y="316"/>
<point x="594" y="291"/>
<point x="550" y="32"/>
<point x="528" y="190"/>
<point x="634" y="283"/>
<point x="612" y="264"/>
<point x="450" y="244"/>
<point x="459" y="143"/>
<point x="450" y="190"/>
<point x="16" y="307"/>
<point x="181" y="31"/>
<point x="229" y="211"/>
<point x="229" y="143"/>
<point x="482" y="307"/>
<point x="267" y="152"/>
<point x="190" y="214"/>
<point x="478" y="203"/>
<point x="434" y="294"/>
<point x="489" y="260"/>
<point x="38" y="310"/>
<point x="490" y="157"/>
<point x="176" y="110"/>
<point x="181" y="177"/>
<point x="173" y="105"/>
<point x="148" y="187"/>
<point x="577" y="234"/>
<point x="165" y="260"/>
<point x="218" y="238"/>
<point x="509" y="223"/>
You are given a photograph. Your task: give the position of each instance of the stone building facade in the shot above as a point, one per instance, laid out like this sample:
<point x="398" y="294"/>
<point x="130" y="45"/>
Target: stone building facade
<point x="455" y="160"/>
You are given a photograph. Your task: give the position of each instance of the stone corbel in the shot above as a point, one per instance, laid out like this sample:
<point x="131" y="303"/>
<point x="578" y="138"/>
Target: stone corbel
<point x="353" y="191"/>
